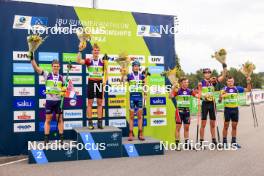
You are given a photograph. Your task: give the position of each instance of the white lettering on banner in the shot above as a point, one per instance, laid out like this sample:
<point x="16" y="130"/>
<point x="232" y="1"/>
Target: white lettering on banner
<point x="24" y="115"/>
<point x="156" y="59"/>
<point x="24" y="127"/>
<point x="73" y="114"/>
<point x="24" y="91"/>
<point x="69" y="125"/>
<point x="119" y="123"/>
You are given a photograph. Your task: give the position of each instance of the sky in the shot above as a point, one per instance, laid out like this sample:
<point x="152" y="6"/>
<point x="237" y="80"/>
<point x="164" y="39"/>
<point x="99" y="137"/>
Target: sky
<point x="204" y="27"/>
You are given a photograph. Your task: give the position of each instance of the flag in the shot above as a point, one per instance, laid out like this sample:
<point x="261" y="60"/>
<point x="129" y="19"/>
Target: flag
<point x="70" y="93"/>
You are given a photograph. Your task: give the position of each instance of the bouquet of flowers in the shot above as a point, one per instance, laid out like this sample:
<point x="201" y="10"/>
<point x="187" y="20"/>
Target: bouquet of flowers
<point x="83" y="36"/>
<point x="220" y="56"/>
<point x="248" y="68"/>
<point x="34" y="41"/>
<point x="123" y="60"/>
<point x="173" y="76"/>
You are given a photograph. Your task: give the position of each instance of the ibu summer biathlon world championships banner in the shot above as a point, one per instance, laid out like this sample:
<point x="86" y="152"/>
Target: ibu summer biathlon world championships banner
<point x="146" y="37"/>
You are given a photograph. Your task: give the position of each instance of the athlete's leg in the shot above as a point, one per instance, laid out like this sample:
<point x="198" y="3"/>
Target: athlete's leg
<point x="89" y="113"/>
<point x="131" y="124"/>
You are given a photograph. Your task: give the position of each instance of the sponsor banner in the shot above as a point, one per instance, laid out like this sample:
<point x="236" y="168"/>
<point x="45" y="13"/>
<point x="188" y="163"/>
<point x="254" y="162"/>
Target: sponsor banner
<point x="158" y="111"/>
<point x="95" y="122"/>
<point x="158" y="121"/>
<point x="156" y="80"/>
<point x="119" y="123"/>
<point x="157" y="90"/>
<point x="42" y="103"/>
<point x="20" y="56"/>
<point x="69" y="125"/>
<point x="136" y="122"/>
<point x="53" y="126"/>
<point x="140" y="58"/>
<point x="117" y="112"/>
<point x="23" y="103"/>
<point x="116" y="90"/>
<point x="75" y="79"/>
<point x="89" y="56"/>
<point x="69" y="102"/>
<point x="156" y="69"/>
<point x="22" y="22"/>
<point x="23" y="79"/>
<point x="118" y="101"/>
<point x="24" y="127"/>
<point x="156" y="60"/>
<point x="48" y="56"/>
<point x="69" y="57"/>
<point x="42" y="80"/>
<point x="112" y="58"/>
<point x="148" y="31"/>
<point x="42" y="91"/>
<point x="28" y="22"/>
<point x="114" y="79"/>
<point x="22" y="68"/>
<point x="113" y="69"/>
<point x="46" y="67"/>
<point x="74" y="69"/>
<point x="73" y="114"/>
<point x="24" y="91"/>
<point x="157" y="100"/>
<point x="24" y="115"/>
<point x="78" y="91"/>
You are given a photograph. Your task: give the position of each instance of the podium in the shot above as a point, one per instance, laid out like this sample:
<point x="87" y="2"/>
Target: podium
<point x="100" y="143"/>
<point x="93" y="144"/>
<point x="138" y="148"/>
<point x="53" y="152"/>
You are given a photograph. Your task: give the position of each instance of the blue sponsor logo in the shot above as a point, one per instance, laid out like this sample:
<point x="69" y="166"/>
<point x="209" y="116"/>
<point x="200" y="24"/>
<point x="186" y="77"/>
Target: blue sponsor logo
<point x="158" y="121"/>
<point x="48" y="56"/>
<point x="23" y="103"/>
<point x="39" y="21"/>
<point x="24" y="127"/>
<point x="157" y="100"/>
<point x="53" y="126"/>
<point x="154" y="29"/>
<point x="136" y="122"/>
<point x="156" y="69"/>
<point x="42" y="90"/>
<point x="23" y="68"/>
